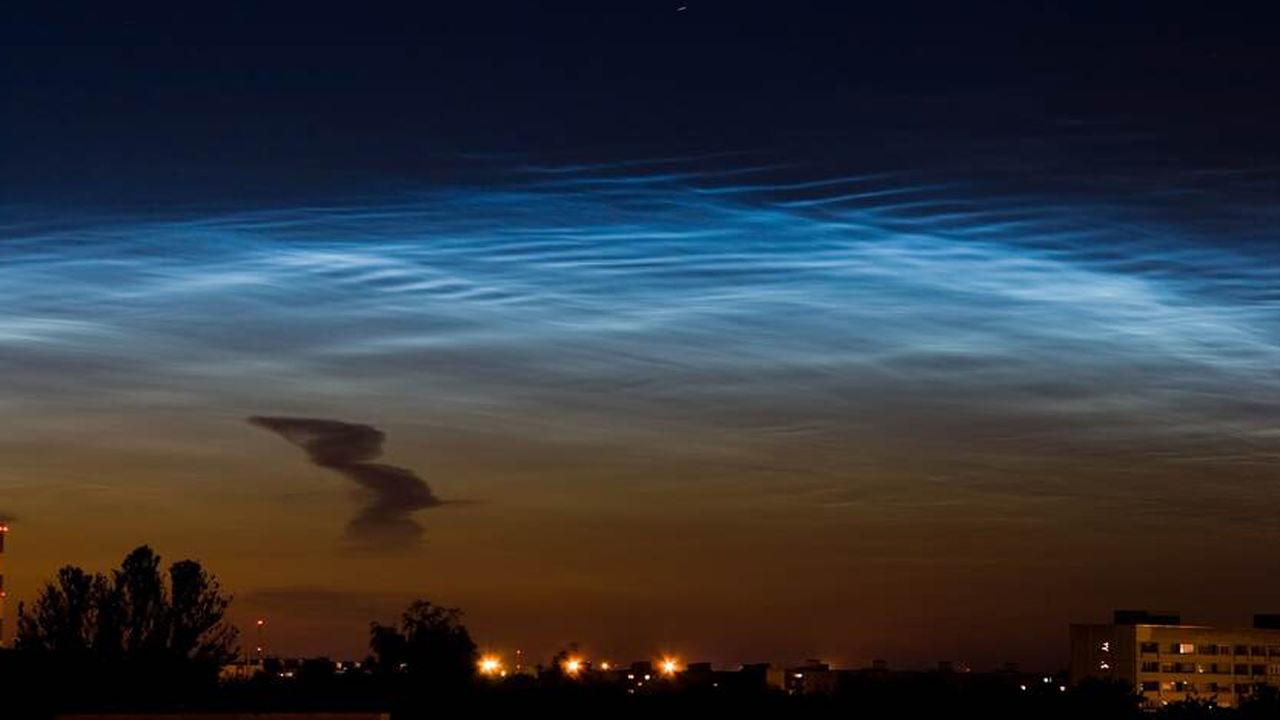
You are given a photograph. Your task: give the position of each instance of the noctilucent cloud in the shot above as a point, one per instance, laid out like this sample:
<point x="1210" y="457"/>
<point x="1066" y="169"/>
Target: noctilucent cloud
<point x="745" y="364"/>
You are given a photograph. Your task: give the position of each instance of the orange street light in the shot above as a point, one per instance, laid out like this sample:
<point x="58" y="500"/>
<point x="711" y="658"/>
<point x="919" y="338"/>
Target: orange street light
<point x="490" y="665"/>
<point x="573" y="666"/>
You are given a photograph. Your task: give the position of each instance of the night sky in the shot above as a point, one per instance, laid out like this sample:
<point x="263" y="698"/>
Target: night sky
<point x="738" y="331"/>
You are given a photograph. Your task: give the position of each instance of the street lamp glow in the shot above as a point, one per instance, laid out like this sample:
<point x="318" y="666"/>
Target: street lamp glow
<point x="490" y="665"/>
<point x="669" y="666"/>
<point x="573" y="666"/>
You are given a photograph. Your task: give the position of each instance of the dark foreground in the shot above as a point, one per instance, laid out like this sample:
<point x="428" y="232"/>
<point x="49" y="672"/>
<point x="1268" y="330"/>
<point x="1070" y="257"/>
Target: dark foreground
<point x="37" y="694"/>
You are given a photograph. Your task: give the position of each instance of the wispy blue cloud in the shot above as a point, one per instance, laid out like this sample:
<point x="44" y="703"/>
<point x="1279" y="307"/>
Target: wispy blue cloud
<point x="993" y="334"/>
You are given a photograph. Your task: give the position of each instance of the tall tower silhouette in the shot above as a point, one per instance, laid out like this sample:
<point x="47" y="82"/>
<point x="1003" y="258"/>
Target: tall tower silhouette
<point x="4" y="530"/>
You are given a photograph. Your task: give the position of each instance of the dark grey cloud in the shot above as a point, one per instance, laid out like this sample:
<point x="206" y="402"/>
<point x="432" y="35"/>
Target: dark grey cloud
<point x="392" y="494"/>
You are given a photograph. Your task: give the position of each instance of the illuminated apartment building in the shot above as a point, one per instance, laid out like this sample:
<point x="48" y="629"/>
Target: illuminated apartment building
<point x="1167" y="661"/>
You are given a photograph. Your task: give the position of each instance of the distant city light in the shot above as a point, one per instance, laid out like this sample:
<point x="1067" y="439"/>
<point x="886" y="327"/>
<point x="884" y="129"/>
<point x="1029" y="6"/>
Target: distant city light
<point x="490" y="665"/>
<point x="670" y="666"/>
<point x="573" y="666"/>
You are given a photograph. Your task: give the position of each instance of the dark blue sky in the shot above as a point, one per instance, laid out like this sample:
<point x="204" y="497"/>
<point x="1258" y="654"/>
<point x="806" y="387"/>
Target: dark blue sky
<point x="743" y="331"/>
<point x="194" y="101"/>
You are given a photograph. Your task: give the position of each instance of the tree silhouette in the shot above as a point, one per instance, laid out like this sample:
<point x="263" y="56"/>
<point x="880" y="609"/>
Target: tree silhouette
<point x="64" y="617"/>
<point x="1189" y="709"/>
<point x="1262" y="702"/>
<point x="1104" y="699"/>
<point x="140" y="597"/>
<point x="196" y="611"/>
<point x="431" y="645"/>
<point x="135" y="617"/>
